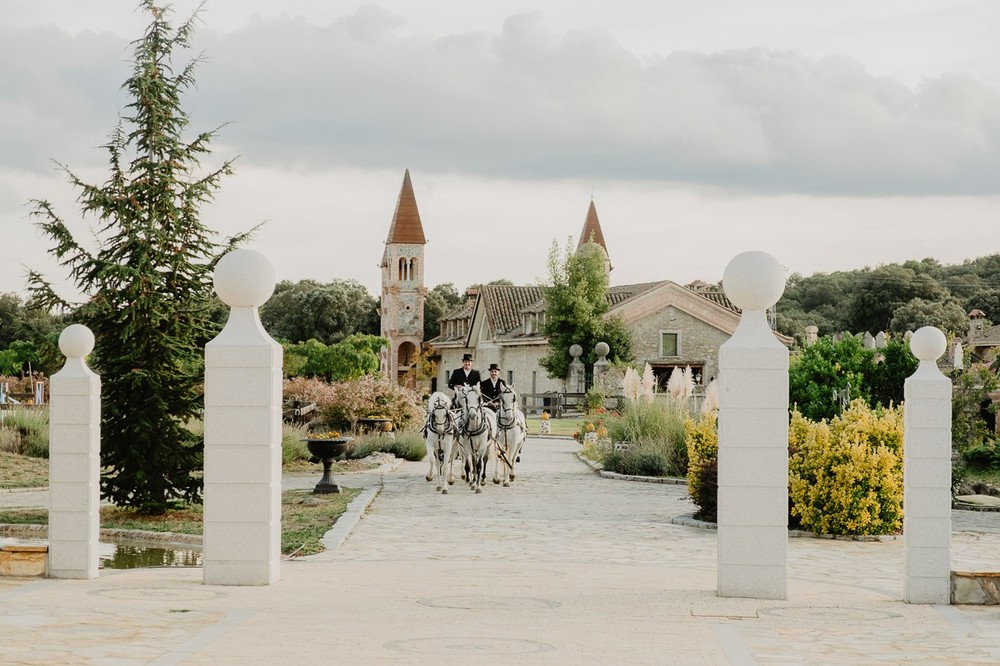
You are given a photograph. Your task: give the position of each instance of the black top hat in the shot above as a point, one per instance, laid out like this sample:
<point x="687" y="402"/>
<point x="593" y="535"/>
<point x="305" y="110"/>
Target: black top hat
<point x="466" y="357"/>
<point x="494" y="366"/>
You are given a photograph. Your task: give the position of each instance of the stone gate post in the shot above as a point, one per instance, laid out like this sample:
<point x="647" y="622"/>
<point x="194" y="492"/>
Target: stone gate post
<point x="753" y="437"/>
<point x="242" y="529"/>
<point x="927" y="473"/>
<point x="576" y="382"/>
<point x="601" y="367"/>
<point x="74" y="460"/>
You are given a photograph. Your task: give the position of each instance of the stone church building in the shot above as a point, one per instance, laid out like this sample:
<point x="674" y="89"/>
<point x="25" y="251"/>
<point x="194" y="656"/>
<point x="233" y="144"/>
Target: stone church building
<point x="671" y="325"/>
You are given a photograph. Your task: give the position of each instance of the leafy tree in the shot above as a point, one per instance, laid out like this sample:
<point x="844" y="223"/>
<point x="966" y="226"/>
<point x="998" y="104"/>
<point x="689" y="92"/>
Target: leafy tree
<point x="947" y="314"/>
<point x="876" y="376"/>
<point x="878" y="293"/>
<point x="310" y="310"/>
<point x="10" y="315"/>
<point x="355" y="356"/>
<point x="439" y="300"/>
<point x="149" y="280"/>
<point x="822" y="368"/>
<point x="893" y="364"/>
<point x="10" y="364"/>
<point x="576" y="301"/>
<point x="971" y="405"/>
<point x="816" y="300"/>
<point x="23" y="321"/>
<point x="17" y="358"/>
<point x="987" y="300"/>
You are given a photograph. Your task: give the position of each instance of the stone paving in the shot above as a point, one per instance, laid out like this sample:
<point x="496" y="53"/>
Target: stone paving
<point x="563" y="567"/>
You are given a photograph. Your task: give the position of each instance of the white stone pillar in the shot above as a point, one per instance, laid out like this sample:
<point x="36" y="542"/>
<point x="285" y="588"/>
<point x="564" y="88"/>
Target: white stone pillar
<point x="74" y="460"/>
<point x="927" y="473"/>
<point x="242" y="530"/>
<point x="753" y="437"/>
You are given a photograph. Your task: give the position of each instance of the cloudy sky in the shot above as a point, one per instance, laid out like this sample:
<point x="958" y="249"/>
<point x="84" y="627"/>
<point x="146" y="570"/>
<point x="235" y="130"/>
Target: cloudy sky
<point x="834" y="135"/>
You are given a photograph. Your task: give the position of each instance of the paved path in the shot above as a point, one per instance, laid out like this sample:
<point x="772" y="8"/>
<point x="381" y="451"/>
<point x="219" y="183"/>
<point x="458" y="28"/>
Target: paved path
<point x="564" y="567"/>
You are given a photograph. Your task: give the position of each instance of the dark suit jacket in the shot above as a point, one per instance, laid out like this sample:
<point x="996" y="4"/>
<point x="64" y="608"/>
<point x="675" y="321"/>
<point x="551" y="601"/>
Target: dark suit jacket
<point x="488" y="391"/>
<point x="458" y="378"/>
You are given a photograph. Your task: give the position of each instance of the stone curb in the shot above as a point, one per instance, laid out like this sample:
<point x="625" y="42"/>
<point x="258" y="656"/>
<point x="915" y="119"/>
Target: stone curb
<point x="346" y="522"/>
<point x="645" y="479"/>
<point x="690" y="521"/>
<point x="24" y="490"/>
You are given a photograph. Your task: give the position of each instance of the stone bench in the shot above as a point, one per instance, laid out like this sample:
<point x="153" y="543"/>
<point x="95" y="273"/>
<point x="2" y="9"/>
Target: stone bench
<point x="975" y="587"/>
<point x="22" y="560"/>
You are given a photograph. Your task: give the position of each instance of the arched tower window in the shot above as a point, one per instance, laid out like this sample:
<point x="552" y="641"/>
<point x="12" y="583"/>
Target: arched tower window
<point x="406" y="355"/>
<point x="413" y="268"/>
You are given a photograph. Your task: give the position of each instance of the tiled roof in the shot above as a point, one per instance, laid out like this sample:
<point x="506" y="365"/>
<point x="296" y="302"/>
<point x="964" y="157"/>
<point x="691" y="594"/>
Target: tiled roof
<point x="406" y="227"/>
<point x="504" y="304"/>
<point x="624" y="292"/>
<point x="712" y="293"/>
<point x="463" y="311"/>
<point x="989" y="338"/>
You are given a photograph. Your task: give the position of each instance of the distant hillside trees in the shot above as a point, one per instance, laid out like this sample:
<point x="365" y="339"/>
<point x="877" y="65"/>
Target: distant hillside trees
<point x="892" y="298"/>
<point x="439" y="300"/>
<point x="28" y="338"/>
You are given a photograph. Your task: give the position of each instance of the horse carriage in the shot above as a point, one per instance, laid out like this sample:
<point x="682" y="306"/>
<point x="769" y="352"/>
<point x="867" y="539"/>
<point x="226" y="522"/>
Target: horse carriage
<point x="466" y="427"/>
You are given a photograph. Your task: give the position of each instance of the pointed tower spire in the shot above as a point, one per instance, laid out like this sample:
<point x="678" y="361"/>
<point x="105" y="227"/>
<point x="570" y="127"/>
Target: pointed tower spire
<point x="402" y="304"/>
<point x="406" y="227"/>
<point x="592" y="232"/>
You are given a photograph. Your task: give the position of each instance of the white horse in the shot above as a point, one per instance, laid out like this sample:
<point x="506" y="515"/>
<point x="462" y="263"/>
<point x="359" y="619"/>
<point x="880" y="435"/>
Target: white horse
<point x="478" y="436"/>
<point x="512" y="430"/>
<point x="458" y="451"/>
<point x="440" y="430"/>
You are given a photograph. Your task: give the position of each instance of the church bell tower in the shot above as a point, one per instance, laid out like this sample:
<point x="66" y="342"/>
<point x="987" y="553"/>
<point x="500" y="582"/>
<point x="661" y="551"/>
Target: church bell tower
<point x="402" y="304"/>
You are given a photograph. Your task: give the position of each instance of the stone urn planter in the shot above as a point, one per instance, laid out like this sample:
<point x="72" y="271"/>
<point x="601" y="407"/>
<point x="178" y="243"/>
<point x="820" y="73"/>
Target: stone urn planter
<point x="327" y="450"/>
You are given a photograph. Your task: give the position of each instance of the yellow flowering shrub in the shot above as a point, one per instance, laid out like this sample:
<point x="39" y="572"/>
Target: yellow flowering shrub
<point x="703" y="463"/>
<point x="846" y="476"/>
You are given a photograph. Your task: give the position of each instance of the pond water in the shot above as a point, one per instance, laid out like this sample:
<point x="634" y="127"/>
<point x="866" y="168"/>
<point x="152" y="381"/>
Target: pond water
<point x="134" y="555"/>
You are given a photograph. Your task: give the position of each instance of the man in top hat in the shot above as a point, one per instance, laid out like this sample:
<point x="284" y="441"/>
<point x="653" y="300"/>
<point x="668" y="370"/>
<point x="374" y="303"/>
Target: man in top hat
<point x="464" y="376"/>
<point x="492" y="386"/>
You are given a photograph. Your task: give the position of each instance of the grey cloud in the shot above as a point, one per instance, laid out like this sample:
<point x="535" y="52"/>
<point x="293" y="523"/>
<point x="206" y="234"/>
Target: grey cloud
<point x="527" y="102"/>
<point x="60" y="95"/>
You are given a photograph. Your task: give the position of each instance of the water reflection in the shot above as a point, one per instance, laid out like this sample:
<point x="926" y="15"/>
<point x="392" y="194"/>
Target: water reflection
<point x="132" y="556"/>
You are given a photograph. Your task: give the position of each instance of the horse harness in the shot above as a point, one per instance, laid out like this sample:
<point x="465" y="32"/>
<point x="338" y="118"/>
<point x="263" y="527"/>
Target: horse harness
<point x="440" y="429"/>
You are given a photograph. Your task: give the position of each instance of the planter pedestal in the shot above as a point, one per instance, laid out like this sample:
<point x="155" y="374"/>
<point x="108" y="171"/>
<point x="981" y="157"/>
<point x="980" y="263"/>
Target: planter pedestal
<point x="327" y="450"/>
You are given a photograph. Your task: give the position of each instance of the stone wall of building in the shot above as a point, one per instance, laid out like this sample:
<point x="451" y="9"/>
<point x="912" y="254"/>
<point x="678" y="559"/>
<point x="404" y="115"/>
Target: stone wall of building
<point x="698" y="342"/>
<point x="522" y="361"/>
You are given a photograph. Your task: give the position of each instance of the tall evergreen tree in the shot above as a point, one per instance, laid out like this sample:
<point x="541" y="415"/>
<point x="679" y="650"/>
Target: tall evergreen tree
<point x="149" y="280"/>
<point x="576" y="300"/>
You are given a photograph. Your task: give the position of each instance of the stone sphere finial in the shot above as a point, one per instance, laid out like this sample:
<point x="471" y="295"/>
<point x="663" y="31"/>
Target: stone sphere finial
<point x="928" y="343"/>
<point x="576" y="351"/>
<point x="76" y="341"/>
<point x="244" y="279"/>
<point x="754" y="280"/>
<point x="602" y="349"/>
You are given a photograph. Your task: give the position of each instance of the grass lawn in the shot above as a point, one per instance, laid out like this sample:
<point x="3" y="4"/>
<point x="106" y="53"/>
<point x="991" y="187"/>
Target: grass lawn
<point x="564" y="427"/>
<point x="23" y="471"/>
